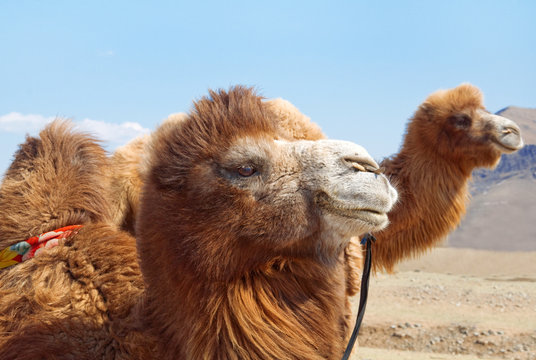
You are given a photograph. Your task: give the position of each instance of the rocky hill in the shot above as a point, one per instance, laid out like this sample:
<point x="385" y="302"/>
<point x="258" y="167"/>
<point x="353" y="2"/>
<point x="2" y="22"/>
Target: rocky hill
<point x="521" y="165"/>
<point x="502" y="213"/>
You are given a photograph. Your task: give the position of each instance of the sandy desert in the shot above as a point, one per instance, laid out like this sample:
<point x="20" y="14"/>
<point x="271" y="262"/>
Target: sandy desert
<point x="453" y="304"/>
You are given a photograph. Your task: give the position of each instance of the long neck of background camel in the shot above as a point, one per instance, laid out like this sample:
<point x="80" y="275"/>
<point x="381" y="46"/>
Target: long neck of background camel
<point x="432" y="199"/>
<point x="270" y="314"/>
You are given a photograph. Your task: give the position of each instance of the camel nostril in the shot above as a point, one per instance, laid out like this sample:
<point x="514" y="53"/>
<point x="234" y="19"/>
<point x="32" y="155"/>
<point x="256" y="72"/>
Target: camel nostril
<point x="509" y="130"/>
<point x="362" y="164"/>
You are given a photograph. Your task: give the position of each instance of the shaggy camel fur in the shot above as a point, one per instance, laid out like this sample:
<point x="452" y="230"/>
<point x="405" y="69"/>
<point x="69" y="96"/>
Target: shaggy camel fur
<point x="57" y="180"/>
<point x="241" y="237"/>
<point x="40" y="168"/>
<point x="126" y="179"/>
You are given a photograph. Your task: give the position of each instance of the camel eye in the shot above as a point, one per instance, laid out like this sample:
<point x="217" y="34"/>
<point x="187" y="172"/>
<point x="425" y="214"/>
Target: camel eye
<point x="461" y="121"/>
<point x="246" y="171"/>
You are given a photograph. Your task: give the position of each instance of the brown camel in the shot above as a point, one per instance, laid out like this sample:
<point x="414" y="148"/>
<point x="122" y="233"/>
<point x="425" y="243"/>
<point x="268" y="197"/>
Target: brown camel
<point x="450" y="135"/>
<point x="240" y="239"/>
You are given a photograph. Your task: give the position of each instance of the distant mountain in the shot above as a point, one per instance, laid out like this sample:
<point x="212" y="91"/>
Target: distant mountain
<point x="502" y="212"/>
<point x="521" y="164"/>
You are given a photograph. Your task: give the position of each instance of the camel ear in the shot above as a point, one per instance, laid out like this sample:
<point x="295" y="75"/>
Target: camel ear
<point x="427" y="110"/>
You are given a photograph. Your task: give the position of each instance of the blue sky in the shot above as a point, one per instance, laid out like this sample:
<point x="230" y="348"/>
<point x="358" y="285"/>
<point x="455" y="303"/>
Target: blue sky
<point x="357" y="68"/>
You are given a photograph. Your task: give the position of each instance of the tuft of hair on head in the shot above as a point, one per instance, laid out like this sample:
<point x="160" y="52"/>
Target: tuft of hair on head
<point x="292" y="124"/>
<point x="443" y="103"/>
<point x="211" y="126"/>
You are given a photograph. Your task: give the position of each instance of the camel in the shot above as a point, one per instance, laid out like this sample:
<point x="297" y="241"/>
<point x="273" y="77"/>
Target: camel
<point x="450" y="135"/>
<point x="239" y="249"/>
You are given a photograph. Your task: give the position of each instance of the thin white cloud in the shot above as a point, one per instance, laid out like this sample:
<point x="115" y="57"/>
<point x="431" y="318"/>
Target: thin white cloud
<point x="112" y="134"/>
<point x="18" y="123"/>
<point x="115" y="134"/>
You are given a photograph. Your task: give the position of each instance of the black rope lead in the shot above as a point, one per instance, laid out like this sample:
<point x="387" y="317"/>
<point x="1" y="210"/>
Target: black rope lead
<point x="368" y="239"/>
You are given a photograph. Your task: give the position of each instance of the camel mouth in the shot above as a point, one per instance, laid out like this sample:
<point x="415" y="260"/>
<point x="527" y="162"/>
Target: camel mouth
<point x="373" y="217"/>
<point x="506" y="134"/>
<point x="508" y="147"/>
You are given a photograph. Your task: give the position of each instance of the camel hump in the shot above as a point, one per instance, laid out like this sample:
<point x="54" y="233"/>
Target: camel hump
<point x="57" y="179"/>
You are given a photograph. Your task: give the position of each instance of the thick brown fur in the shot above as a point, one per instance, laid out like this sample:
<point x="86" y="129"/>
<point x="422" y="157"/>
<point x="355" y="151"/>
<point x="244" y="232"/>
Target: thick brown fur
<point x="431" y="173"/>
<point x="69" y="300"/>
<point x="126" y="182"/>
<point x="215" y="285"/>
<point x="128" y="166"/>
<point x="76" y="301"/>
<point x="54" y="180"/>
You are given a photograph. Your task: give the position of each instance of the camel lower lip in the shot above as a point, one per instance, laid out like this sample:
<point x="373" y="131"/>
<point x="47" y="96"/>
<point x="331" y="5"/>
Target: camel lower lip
<point x="334" y="207"/>
<point x="504" y="147"/>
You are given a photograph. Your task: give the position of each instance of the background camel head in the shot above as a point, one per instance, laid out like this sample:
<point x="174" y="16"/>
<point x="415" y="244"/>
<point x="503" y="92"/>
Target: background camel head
<point x="463" y="130"/>
<point x="225" y="188"/>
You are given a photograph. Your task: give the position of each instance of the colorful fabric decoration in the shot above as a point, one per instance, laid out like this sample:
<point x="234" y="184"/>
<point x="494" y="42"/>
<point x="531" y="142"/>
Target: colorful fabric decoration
<point x="31" y="247"/>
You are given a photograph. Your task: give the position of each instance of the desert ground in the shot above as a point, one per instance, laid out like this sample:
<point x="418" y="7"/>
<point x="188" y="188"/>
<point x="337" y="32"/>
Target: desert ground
<point x="453" y="304"/>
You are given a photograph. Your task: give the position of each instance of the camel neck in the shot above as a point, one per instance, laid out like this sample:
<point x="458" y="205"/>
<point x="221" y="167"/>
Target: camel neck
<point x="432" y="199"/>
<point x="431" y="169"/>
<point x="274" y="313"/>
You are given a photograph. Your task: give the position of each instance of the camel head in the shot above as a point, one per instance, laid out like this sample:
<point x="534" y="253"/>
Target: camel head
<point x="455" y="124"/>
<point x="225" y="192"/>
